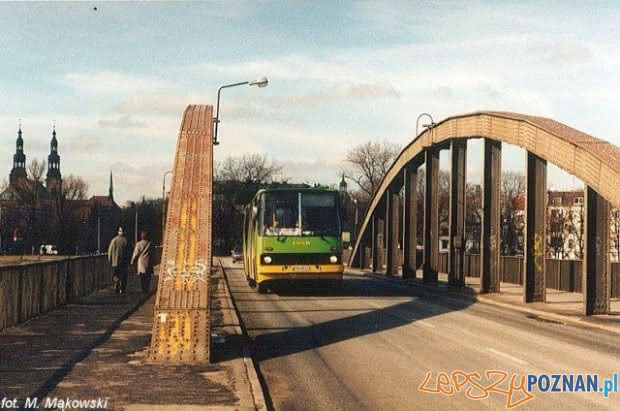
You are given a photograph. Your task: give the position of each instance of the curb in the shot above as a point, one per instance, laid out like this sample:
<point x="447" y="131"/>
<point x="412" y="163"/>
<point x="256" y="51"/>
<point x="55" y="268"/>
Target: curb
<point x="258" y="395"/>
<point x="489" y="301"/>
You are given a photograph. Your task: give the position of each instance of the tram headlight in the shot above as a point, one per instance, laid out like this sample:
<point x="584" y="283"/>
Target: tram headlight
<point x="267" y="259"/>
<point x="333" y="259"/>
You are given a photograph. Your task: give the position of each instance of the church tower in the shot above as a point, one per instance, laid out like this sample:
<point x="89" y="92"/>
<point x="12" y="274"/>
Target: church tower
<point x="19" y="159"/>
<point x="54" y="179"/>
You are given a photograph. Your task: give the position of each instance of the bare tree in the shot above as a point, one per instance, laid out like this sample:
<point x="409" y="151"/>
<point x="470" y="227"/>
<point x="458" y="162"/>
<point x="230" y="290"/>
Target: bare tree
<point x="370" y="162"/>
<point x="36" y="169"/>
<point x="71" y="189"/>
<point x="473" y="217"/>
<point x="74" y="188"/>
<point x="556" y="234"/>
<point x="247" y="168"/>
<point x="513" y="192"/>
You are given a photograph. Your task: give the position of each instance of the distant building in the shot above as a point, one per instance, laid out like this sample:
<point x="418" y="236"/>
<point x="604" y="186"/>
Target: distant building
<point x="565" y="210"/>
<point x="30" y="212"/>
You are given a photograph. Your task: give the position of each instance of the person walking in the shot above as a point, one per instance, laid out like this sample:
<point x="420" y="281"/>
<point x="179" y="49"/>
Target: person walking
<point x="143" y="254"/>
<point x="118" y="256"/>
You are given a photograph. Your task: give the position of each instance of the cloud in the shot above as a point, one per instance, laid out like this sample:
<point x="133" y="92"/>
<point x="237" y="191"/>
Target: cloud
<point x="159" y="103"/>
<point x="84" y="143"/>
<point x="343" y="91"/>
<point x="560" y="53"/>
<point x="122" y="122"/>
<point x="112" y="83"/>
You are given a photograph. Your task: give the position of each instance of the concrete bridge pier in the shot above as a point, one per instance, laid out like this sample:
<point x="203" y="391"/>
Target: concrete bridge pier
<point x="378" y="241"/>
<point x="596" y="275"/>
<point x="534" y="287"/>
<point x="366" y="259"/>
<point x="456" y="274"/>
<point x="387" y="233"/>
<point x="431" y="215"/>
<point x="491" y="206"/>
<point x="410" y="209"/>
<point x="393" y="234"/>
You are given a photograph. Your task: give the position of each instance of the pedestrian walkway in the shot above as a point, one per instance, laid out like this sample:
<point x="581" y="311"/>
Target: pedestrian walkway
<point x="96" y="350"/>
<point x="561" y="306"/>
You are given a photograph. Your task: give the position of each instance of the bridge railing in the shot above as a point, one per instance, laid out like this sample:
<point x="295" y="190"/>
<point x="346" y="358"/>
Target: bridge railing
<point x="563" y="275"/>
<point x="28" y="290"/>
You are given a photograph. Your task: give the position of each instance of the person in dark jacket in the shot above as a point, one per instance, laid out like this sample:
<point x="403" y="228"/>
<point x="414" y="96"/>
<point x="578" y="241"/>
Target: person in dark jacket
<point x="118" y="256"/>
<point x="143" y="255"/>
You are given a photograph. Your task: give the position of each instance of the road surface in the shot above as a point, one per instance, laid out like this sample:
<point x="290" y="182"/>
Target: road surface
<point x="371" y="345"/>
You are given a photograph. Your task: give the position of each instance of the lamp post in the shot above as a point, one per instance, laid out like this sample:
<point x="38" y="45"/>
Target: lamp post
<point x="355" y="221"/>
<point x="417" y="122"/>
<point x="261" y="82"/>
<point x="98" y="230"/>
<point x="163" y="205"/>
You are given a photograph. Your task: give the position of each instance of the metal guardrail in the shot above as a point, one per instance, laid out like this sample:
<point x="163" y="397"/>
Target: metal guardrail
<point x="563" y="275"/>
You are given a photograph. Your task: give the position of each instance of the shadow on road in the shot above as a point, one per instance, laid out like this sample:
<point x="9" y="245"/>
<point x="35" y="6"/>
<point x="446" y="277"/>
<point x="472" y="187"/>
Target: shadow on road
<point x="277" y="342"/>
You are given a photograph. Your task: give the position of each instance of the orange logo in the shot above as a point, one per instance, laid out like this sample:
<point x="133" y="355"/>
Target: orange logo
<point x="475" y="388"/>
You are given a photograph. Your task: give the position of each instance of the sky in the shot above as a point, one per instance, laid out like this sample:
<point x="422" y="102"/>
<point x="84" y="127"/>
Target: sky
<point x="116" y="80"/>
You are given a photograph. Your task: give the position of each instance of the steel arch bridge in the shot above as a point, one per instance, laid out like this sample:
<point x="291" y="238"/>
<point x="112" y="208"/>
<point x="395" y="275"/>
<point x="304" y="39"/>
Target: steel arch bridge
<point x="594" y="161"/>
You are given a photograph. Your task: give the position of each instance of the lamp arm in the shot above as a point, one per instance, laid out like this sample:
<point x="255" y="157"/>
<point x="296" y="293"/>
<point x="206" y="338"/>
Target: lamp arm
<point x="216" y="120"/>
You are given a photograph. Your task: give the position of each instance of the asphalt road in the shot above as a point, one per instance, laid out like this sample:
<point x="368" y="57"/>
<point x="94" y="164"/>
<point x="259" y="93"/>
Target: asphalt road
<point x="371" y="345"/>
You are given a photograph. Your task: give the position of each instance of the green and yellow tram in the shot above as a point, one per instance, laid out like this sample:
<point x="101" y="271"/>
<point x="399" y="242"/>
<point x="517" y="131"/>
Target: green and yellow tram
<point x="291" y="234"/>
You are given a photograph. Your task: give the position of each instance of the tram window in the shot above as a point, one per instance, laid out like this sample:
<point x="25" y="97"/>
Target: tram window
<point x="281" y="214"/>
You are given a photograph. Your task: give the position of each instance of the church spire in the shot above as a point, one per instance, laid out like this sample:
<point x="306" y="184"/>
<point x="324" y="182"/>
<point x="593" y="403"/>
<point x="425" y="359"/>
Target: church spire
<point x="111" y="189"/>
<point x="53" y="165"/>
<point x="19" y="158"/>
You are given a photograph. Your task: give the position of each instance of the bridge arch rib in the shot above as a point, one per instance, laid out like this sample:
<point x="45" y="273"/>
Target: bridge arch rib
<point x="594" y="161"/>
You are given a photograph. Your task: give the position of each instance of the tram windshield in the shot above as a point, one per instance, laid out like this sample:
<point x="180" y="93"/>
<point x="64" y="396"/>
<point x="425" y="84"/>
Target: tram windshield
<point x="300" y="214"/>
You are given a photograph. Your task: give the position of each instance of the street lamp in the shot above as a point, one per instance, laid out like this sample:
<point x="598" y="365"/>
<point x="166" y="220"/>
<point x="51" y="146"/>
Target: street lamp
<point x="261" y="82"/>
<point x="355" y="221"/>
<point x="417" y="122"/>
<point x="163" y="205"/>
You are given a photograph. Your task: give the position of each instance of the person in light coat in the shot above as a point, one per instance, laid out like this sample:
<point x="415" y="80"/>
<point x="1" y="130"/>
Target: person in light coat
<point x="118" y="256"/>
<point x="143" y="255"/>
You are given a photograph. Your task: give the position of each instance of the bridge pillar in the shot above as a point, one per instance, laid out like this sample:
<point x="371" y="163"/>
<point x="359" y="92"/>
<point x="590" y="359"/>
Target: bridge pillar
<point x="378" y="243"/>
<point x="489" y="269"/>
<point x="366" y="258"/>
<point x="457" y="213"/>
<point x="596" y="263"/>
<point x="410" y="209"/>
<point x="534" y="289"/>
<point x="373" y="242"/>
<point x="387" y="225"/>
<point x="355" y="261"/>
<point x="393" y="256"/>
<point x="431" y="215"/>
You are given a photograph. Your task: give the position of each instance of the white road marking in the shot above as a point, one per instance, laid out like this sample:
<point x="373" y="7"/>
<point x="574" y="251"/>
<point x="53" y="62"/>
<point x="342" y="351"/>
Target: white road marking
<point x="507" y="356"/>
<point x="424" y="323"/>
